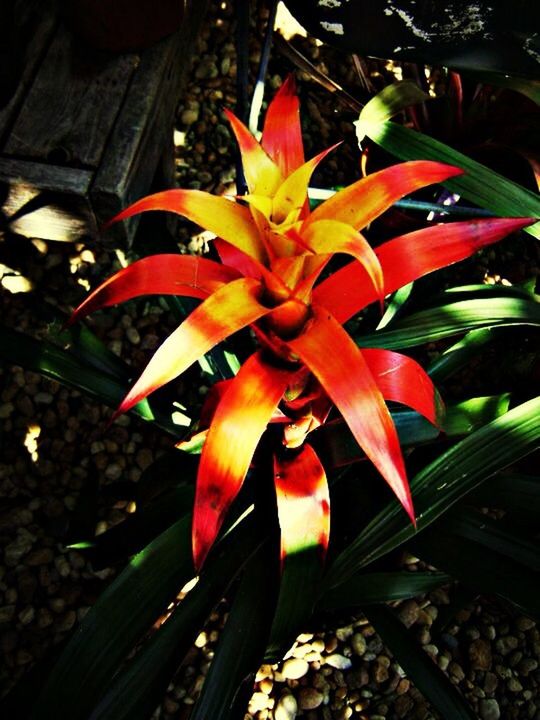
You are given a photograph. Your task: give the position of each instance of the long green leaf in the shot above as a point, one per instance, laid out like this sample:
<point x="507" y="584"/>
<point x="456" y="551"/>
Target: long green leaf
<point x="388" y="102"/>
<point x="123" y="613"/>
<point x="492" y="534"/>
<point x="440" y="322"/>
<point x="442" y="483"/>
<point x="53" y="362"/>
<point x="241" y="645"/>
<point x="301" y="574"/>
<point x="137" y="689"/>
<point x="479" y="184"/>
<point x="488" y="571"/>
<point x="337" y="446"/>
<point x="379" y="587"/>
<point x="512" y="492"/>
<point x="419" y="667"/>
<point x="459" y="354"/>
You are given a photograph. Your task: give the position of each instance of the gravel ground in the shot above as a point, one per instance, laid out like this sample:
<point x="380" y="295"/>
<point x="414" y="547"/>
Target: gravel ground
<point x="54" y="451"/>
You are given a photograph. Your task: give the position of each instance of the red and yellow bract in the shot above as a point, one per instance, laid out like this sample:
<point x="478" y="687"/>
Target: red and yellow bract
<point x="272" y="252"/>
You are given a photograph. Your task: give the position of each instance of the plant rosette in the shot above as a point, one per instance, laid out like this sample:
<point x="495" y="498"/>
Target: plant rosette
<point x="273" y="252"/>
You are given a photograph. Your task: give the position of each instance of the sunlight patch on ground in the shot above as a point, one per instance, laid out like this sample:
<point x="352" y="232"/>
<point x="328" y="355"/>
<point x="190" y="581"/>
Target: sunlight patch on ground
<point x="30" y="441"/>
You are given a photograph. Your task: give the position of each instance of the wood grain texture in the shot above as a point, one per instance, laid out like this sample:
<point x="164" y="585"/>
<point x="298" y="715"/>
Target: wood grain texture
<point x="46" y="201"/>
<point x="29" y="25"/>
<point x="72" y="104"/>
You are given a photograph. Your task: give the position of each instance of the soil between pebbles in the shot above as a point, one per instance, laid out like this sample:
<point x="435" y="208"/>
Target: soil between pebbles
<point x="53" y="449"/>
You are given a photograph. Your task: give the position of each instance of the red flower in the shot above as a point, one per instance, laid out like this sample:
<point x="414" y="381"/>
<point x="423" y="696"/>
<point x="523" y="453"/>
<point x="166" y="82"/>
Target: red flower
<point x="273" y="251"/>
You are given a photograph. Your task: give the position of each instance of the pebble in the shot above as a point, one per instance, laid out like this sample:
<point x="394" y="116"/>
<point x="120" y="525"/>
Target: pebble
<point x="340" y="662"/>
<point x="286" y="708"/>
<point x="480" y="654"/>
<point x="358" y="644"/>
<point x="294" y="668"/>
<point x="309" y="698"/>
<point x="408" y="613"/>
<point x="489" y="709"/>
<point x="41" y="556"/>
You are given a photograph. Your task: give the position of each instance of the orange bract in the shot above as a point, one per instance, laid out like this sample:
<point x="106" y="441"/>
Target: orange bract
<point x="272" y="253"/>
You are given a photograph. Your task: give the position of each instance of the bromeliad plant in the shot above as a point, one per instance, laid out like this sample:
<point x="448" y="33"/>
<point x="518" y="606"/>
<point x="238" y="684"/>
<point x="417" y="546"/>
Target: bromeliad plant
<point x="273" y="253"/>
<point x="275" y="277"/>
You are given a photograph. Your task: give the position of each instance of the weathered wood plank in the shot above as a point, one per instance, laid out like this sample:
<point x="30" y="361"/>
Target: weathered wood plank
<point x="46" y="201"/>
<point x="71" y="107"/>
<point x="29" y="24"/>
<point x="143" y="127"/>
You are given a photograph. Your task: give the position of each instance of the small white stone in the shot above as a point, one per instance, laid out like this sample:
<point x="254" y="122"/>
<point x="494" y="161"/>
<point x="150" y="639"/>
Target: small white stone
<point x="286" y="708"/>
<point x="340" y="662"/>
<point x="294" y="669"/>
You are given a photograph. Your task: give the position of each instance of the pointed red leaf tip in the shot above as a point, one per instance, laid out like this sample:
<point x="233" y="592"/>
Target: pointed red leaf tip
<point x="409" y="257"/>
<point x="303" y="502"/>
<point x="282" y="132"/>
<point x="225" y="218"/>
<point x="165" y="274"/>
<point x="363" y="201"/>
<point x="231" y="308"/>
<point x="401" y="379"/>
<point x="239" y="421"/>
<point x="340" y="367"/>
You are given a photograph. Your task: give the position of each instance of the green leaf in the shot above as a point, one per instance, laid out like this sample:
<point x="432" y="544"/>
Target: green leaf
<point x="525" y="86"/>
<point x="479" y="184"/>
<point x="512" y="492"/>
<point x="399" y="298"/>
<point x="490" y="572"/>
<point x="137" y="530"/>
<point x="492" y="534"/>
<point x="137" y="689"/>
<point x="300" y="577"/>
<point x="387" y="103"/>
<point x="441" y="484"/>
<point x="458" y="355"/>
<point x="440" y="322"/>
<point x="379" y="587"/>
<point x="419" y="667"/>
<point x="239" y="653"/>
<point x="122" y="614"/>
<point x="53" y="362"/>
<point x="337" y="446"/>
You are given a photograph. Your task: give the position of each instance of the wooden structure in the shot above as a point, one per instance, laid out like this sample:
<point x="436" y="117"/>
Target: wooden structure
<point x="84" y="131"/>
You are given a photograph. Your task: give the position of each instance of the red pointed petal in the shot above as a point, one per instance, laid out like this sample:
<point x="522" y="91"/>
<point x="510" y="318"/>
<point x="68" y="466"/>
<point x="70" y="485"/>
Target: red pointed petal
<point x="262" y="174"/>
<point x="339" y="366"/>
<point x="226" y="218"/>
<point x="229" y="309"/>
<point x="409" y="257"/>
<point x="291" y="195"/>
<point x="303" y="502"/>
<point x="366" y="199"/>
<point x="165" y="274"/>
<point x="282" y="133"/>
<point x="401" y="379"/>
<point x="238" y="423"/>
<point x="330" y="236"/>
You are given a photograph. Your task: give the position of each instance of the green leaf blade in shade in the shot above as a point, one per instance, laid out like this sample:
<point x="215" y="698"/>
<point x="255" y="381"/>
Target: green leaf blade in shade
<point x="388" y="102"/>
<point x="442" y="483"/>
<point x="165" y="274"/>
<point x="426" y="675"/>
<point x="489" y="571"/>
<point x="337" y="446"/>
<point x="457" y="317"/>
<point x="515" y="493"/>
<point x="123" y="613"/>
<point x="379" y="587"/>
<point x="408" y="257"/>
<point x="57" y="364"/>
<point x="460" y="353"/>
<point x="478" y="184"/>
<point x="138" y="687"/>
<point x="240" y="649"/>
